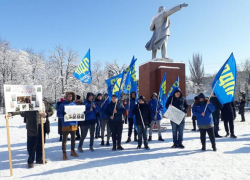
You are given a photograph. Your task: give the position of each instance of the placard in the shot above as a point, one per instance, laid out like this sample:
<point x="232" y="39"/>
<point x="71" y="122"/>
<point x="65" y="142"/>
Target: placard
<point x="74" y="113"/>
<point x="22" y="98"/>
<point x="174" y="114"/>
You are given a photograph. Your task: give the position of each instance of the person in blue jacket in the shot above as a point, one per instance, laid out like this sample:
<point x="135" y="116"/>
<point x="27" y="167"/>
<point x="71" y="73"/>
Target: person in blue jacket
<point x="89" y="122"/>
<point x="130" y="106"/>
<point x="68" y="127"/>
<point x="156" y="114"/>
<point x="205" y="120"/>
<point x="114" y="111"/>
<point x="104" y="119"/>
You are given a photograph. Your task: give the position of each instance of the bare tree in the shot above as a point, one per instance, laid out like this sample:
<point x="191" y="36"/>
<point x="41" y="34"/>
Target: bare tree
<point x="196" y="68"/>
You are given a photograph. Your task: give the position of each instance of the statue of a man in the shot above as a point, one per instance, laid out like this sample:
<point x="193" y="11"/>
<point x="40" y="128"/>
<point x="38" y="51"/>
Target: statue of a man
<point x="160" y="25"/>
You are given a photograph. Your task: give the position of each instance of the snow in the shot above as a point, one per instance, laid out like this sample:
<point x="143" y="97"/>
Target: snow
<point x="168" y="67"/>
<point x="231" y="161"/>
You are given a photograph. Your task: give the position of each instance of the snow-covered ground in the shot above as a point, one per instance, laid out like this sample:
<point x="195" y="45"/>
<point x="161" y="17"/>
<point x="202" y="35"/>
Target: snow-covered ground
<point x="231" y="161"/>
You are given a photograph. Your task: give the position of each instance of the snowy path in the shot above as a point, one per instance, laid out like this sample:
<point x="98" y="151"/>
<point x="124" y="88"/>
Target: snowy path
<point x="231" y="161"/>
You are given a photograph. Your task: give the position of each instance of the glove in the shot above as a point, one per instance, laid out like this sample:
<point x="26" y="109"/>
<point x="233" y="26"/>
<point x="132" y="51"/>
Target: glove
<point x="64" y="113"/>
<point x="183" y="5"/>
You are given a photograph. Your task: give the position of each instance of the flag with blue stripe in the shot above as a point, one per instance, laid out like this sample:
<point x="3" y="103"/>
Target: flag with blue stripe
<point x="111" y="82"/>
<point x="130" y="82"/>
<point x="224" y="83"/>
<point x="172" y="89"/>
<point x="83" y="71"/>
<point x="163" y="92"/>
<point x="118" y="86"/>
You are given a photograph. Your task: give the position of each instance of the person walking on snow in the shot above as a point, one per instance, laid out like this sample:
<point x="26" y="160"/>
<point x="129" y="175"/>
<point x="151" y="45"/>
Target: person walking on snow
<point x="203" y="110"/>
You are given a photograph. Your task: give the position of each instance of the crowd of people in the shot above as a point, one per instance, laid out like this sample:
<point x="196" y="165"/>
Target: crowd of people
<point x="105" y="119"/>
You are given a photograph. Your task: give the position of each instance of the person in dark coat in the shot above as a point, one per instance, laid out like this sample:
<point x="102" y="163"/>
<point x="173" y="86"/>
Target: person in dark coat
<point x="89" y="123"/>
<point x="104" y="119"/>
<point x="216" y="115"/>
<point x="34" y="136"/>
<point x="78" y="102"/>
<point x="203" y="110"/>
<point x="98" y="102"/>
<point x="114" y="112"/>
<point x="59" y="125"/>
<point x="130" y="106"/>
<point x="178" y="101"/>
<point x="142" y="111"/>
<point x="228" y="115"/>
<point x="193" y="116"/>
<point x="242" y="109"/>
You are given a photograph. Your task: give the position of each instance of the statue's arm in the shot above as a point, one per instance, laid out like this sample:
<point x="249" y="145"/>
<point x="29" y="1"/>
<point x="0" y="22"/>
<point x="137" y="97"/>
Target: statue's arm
<point x="174" y="9"/>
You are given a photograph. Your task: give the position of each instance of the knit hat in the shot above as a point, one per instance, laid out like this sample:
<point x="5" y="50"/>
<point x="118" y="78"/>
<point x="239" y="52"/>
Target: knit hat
<point x="201" y="95"/>
<point x="78" y="97"/>
<point x="142" y="98"/>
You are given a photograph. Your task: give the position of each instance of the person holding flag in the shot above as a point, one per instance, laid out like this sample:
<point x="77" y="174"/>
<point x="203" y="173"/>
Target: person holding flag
<point x="156" y="116"/>
<point x="131" y="102"/>
<point x="104" y="120"/>
<point x="114" y="111"/>
<point x="143" y="120"/>
<point x="224" y="86"/>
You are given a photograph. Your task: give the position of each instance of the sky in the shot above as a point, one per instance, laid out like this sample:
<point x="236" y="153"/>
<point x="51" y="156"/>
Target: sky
<point x="119" y="29"/>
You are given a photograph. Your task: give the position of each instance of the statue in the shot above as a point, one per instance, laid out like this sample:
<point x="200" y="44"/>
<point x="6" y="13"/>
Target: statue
<point x="160" y="25"/>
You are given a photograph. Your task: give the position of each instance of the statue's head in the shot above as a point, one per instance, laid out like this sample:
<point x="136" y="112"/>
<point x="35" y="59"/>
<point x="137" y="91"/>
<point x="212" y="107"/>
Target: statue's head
<point x="161" y="8"/>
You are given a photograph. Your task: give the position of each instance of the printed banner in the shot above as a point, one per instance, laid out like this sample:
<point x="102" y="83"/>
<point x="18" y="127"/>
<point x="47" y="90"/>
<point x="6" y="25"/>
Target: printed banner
<point x="23" y="98"/>
<point x="174" y="114"/>
<point x="74" y="113"/>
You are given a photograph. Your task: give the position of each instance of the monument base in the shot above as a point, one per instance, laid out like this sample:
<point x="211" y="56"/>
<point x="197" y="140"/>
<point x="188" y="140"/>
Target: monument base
<point x="151" y="74"/>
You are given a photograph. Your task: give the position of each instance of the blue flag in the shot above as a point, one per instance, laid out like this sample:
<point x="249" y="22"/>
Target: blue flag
<point x="131" y="65"/>
<point x="83" y="71"/>
<point x="118" y="86"/>
<point x="111" y="82"/>
<point x="224" y="83"/>
<point x="130" y="83"/>
<point x="172" y="89"/>
<point x="163" y="92"/>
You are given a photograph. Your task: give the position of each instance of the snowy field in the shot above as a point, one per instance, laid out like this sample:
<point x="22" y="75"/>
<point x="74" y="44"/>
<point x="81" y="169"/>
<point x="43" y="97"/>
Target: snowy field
<point x="231" y="161"/>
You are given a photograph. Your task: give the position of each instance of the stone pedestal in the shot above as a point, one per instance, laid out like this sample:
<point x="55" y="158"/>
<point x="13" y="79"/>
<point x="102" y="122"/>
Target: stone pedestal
<point x="152" y="72"/>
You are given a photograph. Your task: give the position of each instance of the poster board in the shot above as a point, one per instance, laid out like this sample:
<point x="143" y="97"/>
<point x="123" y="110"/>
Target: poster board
<point x="174" y="114"/>
<point x="74" y="113"/>
<point x="23" y="98"/>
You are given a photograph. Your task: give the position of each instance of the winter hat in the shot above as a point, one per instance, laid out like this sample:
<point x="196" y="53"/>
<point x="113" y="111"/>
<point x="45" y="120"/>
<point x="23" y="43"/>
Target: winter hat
<point x="177" y="90"/>
<point x="106" y="94"/>
<point x="201" y="95"/>
<point x="99" y="94"/>
<point x="142" y="98"/>
<point x="114" y="95"/>
<point x="78" y="97"/>
<point x="89" y="94"/>
<point x="196" y="98"/>
<point x="154" y="94"/>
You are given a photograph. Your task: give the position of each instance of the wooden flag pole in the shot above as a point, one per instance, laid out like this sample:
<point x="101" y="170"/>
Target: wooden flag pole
<point x="8" y="139"/>
<point x="42" y="132"/>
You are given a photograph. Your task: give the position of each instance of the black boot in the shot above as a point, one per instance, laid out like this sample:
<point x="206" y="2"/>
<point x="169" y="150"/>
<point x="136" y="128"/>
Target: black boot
<point x="147" y="148"/>
<point x="160" y="139"/>
<point x="60" y="138"/>
<point x="233" y="136"/>
<point x="107" y="144"/>
<point x="203" y="148"/>
<point x="114" y="148"/>
<point x="129" y="140"/>
<point x="214" y="147"/>
<point x="102" y="143"/>
<point x="138" y="147"/>
<point x="119" y="147"/>
<point x="227" y="135"/>
<point x="150" y="138"/>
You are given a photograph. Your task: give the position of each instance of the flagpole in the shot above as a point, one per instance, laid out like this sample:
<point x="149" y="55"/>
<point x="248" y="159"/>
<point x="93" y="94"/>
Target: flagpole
<point x="211" y="95"/>
<point x="157" y="103"/>
<point x="141" y="116"/>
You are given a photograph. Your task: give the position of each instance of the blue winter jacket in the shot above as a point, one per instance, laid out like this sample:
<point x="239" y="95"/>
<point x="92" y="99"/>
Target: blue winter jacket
<point x="153" y="103"/>
<point x="102" y="108"/>
<point x="131" y="107"/>
<point x="110" y="109"/>
<point x="198" y="109"/>
<point x="60" y="113"/>
<point x="89" y="115"/>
